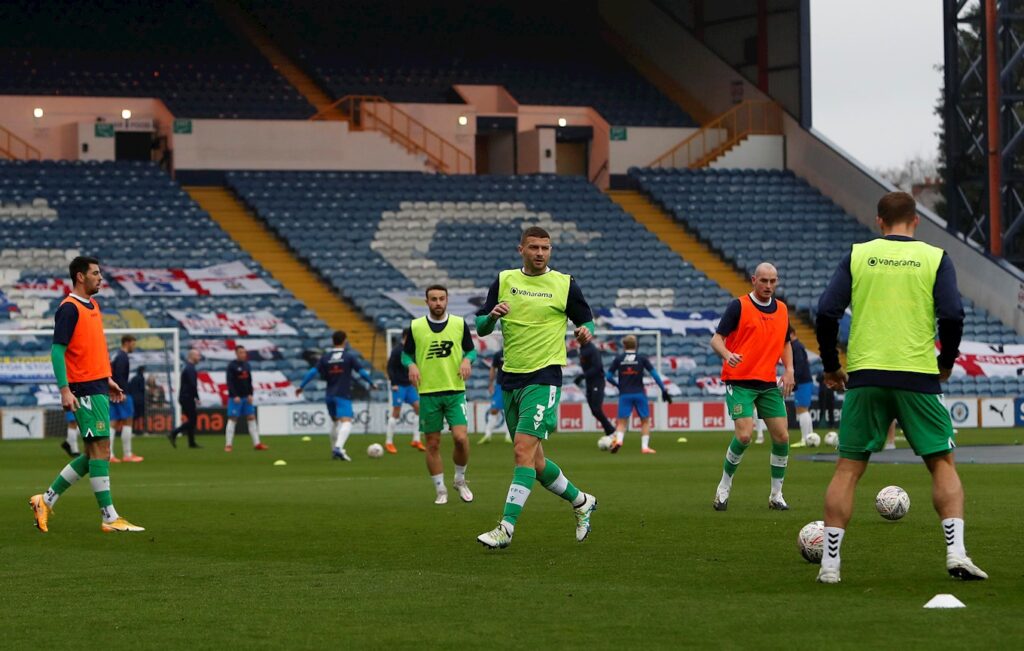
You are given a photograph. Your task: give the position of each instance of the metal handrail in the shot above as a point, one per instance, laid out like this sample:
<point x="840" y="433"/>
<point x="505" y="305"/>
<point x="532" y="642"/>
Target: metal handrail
<point x="753" y="117"/>
<point x="11" y="145"/>
<point x="373" y="112"/>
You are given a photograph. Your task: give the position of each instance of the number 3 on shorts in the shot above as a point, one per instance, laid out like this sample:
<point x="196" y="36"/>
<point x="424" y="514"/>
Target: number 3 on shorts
<point x="538" y="418"/>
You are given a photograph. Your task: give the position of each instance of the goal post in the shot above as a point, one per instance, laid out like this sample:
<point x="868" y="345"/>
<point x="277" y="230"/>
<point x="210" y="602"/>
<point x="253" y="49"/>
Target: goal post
<point x="158" y="349"/>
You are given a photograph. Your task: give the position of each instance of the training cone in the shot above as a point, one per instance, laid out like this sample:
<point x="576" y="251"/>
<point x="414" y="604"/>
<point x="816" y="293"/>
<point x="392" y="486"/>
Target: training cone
<point x="280" y="462"/>
<point x="307" y="439"/>
<point x="944" y="601"/>
<point x="681" y="439"/>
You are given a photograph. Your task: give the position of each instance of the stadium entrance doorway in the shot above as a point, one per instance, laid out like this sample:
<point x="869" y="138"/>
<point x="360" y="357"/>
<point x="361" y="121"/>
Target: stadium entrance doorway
<point x="495" y="145"/>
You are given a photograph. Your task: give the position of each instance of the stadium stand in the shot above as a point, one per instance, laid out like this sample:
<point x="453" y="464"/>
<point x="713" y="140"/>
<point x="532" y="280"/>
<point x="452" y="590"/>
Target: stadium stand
<point x="748" y="216"/>
<point x="182" y="53"/>
<point x="368" y="233"/>
<point x="127" y="215"/>
<point x="347" y="49"/>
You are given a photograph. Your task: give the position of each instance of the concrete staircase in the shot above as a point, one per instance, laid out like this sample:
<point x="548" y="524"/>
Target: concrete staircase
<point x="697" y="253"/>
<point x="253" y="236"/>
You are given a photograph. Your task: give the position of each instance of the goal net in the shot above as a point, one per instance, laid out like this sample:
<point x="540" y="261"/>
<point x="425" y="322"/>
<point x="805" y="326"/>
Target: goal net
<point x="28" y="387"/>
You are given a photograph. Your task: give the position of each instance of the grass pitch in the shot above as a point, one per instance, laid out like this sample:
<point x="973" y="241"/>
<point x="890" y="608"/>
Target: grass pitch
<point x="239" y="553"/>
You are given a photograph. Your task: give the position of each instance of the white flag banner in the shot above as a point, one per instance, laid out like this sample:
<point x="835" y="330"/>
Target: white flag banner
<point x="269" y="388"/>
<point x="224" y="349"/>
<point x="989" y="360"/>
<point x="228" y="279"/>
<point x="668" y="321"/>
<point x="230" y="324"/>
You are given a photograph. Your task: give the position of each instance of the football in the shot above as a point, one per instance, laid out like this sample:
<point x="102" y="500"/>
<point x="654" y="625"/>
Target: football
<point x="832" y="439"/>
<point x="375" y="451"/>
<point x="812" y="440"/>
<point x="811" y="541"/>
<point x="892" y="502"/>
<point x="604" y="443"/>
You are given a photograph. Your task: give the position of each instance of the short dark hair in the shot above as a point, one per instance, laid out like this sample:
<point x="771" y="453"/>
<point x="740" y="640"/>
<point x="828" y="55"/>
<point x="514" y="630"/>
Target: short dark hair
<point x="534" y="231"/>
<point x="127" y="338"/>
<point x="896" y="208"/>
<point x="339" y="337"/>
<point x="433" y="287"/>
<point x="406" y="332"/>
<point x="80" y="265"/>
<point x="239" y="347"/>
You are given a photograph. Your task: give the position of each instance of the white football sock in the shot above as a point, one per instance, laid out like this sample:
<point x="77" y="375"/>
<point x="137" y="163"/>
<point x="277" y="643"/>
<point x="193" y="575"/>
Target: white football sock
<point x="776" y="486"/>
<point x="489" y="424"/>
<point x="726" y="482"/>
<point x="439" y="483"/>
<point x="830" y="552"/>
<point x="806" y="425"/>
<point x="620" y="437"/>
<point x="73" y="440"/>
<point x="953" y="530"/>
<point x="70" y="476"/>
<point x="416" y="434"/>
<point x="229" y="433"/>
<point x="645" y="441"/>
<point x="254" y="431"/>
<point x="389" y="431"/>
<point x="126" y="441"/>
<point x="460" y="474"/>
<point x="343" y="432"/>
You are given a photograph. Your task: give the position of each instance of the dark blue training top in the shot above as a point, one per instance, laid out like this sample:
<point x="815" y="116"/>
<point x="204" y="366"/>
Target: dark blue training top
<point x="189" y="391"/>
<point x="948" y="309"/>
<point x="496" y="363"/>
<point x="590" y="362"/>
<point x="239" y="378"/>
<point x="630" y="367"/>
<point x="119" y="368"/>
<point x="397" y="373"/>
<point x="801" y="365"/>
<point x="335" y="368"/>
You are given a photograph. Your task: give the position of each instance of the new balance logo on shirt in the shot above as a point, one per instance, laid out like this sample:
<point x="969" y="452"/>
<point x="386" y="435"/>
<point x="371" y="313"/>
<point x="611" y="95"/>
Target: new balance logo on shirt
<point x="439" y="349"/>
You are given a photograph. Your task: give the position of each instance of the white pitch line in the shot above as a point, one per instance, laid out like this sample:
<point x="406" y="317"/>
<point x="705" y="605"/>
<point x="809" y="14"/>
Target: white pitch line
<point x="235" y="483"/>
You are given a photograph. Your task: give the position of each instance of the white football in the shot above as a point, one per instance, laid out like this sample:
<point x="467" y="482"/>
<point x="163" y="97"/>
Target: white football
<point x="832" y="439"/>
<point x="604" y="443"/>
<point x="812" y="440"/>
<point x="811" y="541"/>
<point x="892" y="502"/>
<point x="375" y="451"/>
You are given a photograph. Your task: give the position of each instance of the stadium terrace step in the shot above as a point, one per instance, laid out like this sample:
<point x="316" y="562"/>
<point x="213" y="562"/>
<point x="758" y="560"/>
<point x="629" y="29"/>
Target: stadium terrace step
<point x="254" y="237"/>
<point x="697" y="253"/>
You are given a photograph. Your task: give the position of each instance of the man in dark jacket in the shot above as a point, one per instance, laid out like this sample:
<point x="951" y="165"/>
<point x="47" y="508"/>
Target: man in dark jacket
<point x="188" y="398"/>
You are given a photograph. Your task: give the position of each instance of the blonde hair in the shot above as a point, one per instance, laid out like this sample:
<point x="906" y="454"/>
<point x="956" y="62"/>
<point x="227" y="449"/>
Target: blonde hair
<point x="629" y="342"/>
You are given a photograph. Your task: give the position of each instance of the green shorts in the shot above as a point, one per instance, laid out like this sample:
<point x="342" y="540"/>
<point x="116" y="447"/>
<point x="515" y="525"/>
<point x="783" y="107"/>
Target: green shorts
<point x="435" y="410"/>
<point x="868" y="411"/>
<point x="532" y="410"/>
<point x="93" y="416"/>
<point x="741" y="402"/>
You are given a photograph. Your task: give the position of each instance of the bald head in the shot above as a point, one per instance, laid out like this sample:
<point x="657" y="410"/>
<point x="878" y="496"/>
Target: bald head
<point x="193" y="356"/>
<point x="765" y="279"/>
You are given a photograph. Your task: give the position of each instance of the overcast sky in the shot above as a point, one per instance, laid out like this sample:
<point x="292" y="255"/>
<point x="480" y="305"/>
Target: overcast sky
<point x="874" y="82"/>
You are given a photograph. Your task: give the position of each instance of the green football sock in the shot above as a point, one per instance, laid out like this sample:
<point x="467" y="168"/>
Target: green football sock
<point x="518" y="493"/>
<point x="99" y="477"/>
<point x="555" y="481"/>
<point x="779" y="459"/>
<point x="78" y="468"/>
<point x="733" y="456"/>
